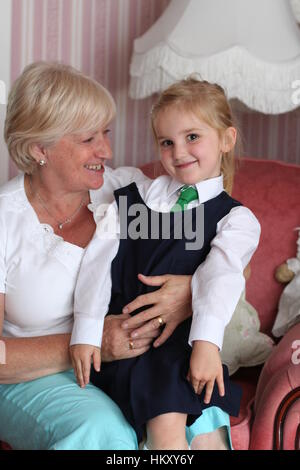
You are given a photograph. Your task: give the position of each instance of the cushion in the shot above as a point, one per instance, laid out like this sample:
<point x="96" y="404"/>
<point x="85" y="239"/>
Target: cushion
<point x="244" y="345"/>
<point x="272" y="191"/>
<point x="289" y="305"/>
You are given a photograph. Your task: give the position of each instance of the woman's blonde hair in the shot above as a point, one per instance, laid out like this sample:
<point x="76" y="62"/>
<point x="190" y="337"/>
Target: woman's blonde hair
<point x="207" y="101"/>
<point x="49" y="101"/>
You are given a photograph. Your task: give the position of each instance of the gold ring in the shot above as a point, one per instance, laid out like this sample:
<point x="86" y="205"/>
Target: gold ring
<point x="160" y="321"/>
<point x="130" y="344"/>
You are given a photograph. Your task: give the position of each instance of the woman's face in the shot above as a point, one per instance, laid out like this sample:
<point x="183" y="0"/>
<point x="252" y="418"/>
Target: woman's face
<point x="77" y="162"/>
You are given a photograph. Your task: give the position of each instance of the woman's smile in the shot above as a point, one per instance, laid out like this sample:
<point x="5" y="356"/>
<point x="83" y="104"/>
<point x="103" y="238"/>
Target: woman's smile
<point x="95" y="167"/>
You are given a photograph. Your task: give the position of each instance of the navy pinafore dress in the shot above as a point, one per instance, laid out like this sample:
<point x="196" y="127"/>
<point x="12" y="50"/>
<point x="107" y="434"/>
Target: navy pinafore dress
<point x="155" y="382"/>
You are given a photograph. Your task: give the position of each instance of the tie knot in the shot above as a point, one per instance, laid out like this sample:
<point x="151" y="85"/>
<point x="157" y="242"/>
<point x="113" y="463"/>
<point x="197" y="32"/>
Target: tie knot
<point x="187" y="195"/>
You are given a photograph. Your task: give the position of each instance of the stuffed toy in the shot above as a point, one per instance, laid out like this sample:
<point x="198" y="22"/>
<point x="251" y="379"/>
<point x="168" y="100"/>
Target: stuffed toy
<point x="289" y="303"/>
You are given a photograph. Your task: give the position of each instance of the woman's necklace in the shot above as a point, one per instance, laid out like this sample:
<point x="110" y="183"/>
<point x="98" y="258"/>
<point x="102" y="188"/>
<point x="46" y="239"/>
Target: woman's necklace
<point x="43" y="204"/>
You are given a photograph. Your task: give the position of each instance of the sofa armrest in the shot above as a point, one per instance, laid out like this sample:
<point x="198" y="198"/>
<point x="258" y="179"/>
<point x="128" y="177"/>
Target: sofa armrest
<point x="286" y="405"/>
<point x="277" y="399"/>
<point x="277" y="415"/>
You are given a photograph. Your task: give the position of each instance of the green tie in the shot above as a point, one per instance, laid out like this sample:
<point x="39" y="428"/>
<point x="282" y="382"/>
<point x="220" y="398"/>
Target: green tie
<point x="187" y="194"/>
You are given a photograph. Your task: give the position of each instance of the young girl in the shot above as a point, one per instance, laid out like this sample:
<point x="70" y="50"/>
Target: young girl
<point x="168" y="387"/>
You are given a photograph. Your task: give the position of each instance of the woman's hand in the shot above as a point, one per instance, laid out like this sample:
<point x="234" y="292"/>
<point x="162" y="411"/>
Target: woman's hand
<point x="117" y="343"/>
<point x="171" y="305"/>
<point x="205" y="369"/>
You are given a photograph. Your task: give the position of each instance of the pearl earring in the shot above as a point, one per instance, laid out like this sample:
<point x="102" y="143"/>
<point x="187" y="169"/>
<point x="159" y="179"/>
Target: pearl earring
<point x="42" y="162"/>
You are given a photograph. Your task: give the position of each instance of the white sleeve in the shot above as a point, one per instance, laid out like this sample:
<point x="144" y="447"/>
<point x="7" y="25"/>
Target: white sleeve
<point x="219" y="282"/>
<point x="125" y="175"/>
<point x="93" y="288"/>
<point x="2" y="257"/>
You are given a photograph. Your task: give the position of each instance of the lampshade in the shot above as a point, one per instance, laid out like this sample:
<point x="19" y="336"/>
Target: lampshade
<point x="250" y="47"/>
<point x="296" y="9"/>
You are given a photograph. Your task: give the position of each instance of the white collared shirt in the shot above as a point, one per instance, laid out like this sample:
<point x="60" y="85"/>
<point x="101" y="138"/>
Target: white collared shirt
<point x="217" y="284"/>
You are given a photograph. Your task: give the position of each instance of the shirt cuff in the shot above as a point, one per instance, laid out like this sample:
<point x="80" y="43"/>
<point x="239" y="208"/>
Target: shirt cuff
<point x="207" y="328"/>
<point x="87" y="331"/>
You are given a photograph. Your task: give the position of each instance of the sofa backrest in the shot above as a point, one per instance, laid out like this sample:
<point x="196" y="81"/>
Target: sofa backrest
<point x="272" y="191"/>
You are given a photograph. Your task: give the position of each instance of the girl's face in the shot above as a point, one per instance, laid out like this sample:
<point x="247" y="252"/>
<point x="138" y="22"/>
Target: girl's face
<point x="190" y="150"/>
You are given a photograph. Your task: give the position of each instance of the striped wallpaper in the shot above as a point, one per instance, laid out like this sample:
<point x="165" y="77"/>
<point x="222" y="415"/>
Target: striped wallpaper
<point x="97" y="37"/>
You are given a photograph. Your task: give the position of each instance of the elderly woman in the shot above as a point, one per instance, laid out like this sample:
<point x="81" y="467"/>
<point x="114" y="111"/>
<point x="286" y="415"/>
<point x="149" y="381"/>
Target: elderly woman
<point x="57" y="134"/>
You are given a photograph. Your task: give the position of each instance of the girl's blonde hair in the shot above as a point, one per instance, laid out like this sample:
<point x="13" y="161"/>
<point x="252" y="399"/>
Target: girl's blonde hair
<point x="208" y="102"/>
<point x="49" y="101"/>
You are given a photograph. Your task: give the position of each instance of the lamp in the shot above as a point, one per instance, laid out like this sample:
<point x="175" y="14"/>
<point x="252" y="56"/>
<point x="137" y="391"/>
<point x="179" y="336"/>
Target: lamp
<point x="250" y="47"/>
<point x="296" y="8"/>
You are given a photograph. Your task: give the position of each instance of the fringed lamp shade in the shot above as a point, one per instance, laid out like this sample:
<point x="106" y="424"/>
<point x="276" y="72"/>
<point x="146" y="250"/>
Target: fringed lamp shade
<point x="250" y="47"/>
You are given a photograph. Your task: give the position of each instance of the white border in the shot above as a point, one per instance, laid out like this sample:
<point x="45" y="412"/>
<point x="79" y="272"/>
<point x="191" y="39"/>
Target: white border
<point x="5" y="64"/>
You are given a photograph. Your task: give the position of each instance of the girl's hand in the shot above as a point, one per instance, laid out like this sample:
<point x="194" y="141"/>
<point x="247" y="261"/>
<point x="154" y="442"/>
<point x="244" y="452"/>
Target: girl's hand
<point x="171" y="303"/>
<point x="205" y="368"/>
<point x="117" y="343"/>
<point x="82" y="356"/>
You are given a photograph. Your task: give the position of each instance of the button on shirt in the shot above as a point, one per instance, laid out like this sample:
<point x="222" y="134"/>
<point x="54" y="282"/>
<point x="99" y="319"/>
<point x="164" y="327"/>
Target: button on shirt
<point x="217" y="284"/>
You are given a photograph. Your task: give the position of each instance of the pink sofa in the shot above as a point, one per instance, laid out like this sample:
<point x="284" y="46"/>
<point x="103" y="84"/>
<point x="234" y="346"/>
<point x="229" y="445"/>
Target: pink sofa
<point x="270" y="411"/>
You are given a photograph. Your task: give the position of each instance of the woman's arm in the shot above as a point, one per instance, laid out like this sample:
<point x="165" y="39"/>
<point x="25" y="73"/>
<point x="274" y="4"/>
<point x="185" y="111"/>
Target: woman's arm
<point x="172" y="302"/>
<point x="31" y="358"/>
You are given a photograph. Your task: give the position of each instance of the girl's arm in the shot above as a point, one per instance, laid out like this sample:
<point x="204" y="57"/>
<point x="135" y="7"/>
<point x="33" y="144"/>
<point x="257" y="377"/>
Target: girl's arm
<point x="93" y="287"/>
<point x="219" y="281"/>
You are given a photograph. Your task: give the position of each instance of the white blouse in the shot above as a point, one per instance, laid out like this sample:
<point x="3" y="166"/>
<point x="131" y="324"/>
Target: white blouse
<point x="38" y="269"/>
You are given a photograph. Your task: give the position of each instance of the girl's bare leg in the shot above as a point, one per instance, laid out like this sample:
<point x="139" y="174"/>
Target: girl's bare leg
<point x="167" y="432"/>
<point x="216" y="440"/>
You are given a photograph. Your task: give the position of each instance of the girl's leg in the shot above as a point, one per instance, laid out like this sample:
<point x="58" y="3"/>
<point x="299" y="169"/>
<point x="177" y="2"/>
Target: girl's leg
<point x="215" y="440"/>
<point x="167" y="432"/>
<point x="211" y="429"/>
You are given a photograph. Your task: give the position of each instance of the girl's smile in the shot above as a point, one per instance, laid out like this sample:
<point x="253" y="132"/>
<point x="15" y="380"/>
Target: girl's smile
<point x="185" y="165"/>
